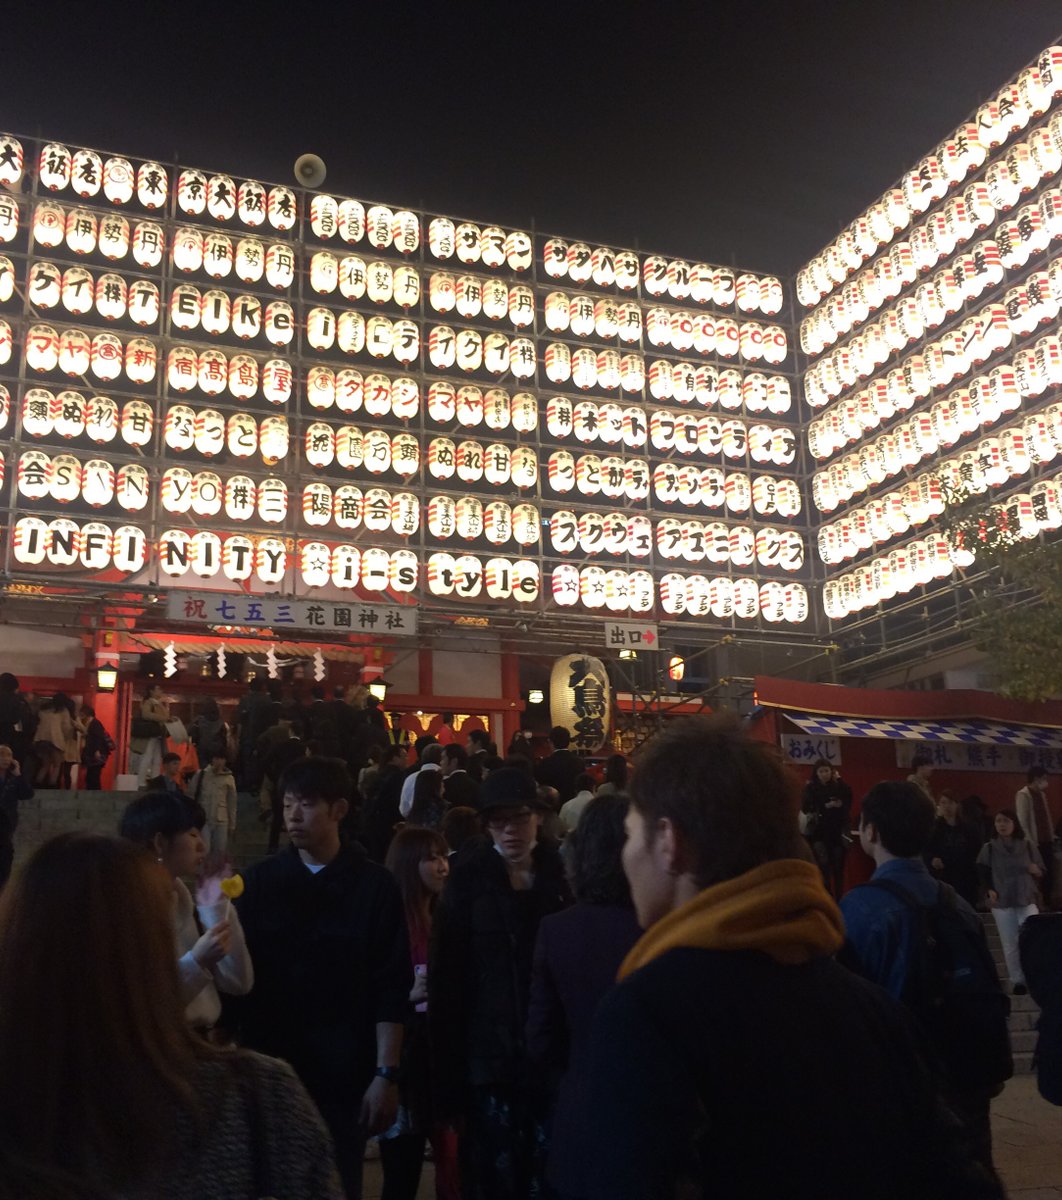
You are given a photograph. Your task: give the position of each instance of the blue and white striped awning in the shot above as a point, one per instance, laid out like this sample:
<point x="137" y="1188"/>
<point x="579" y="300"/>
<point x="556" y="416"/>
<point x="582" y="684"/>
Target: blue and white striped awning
<point x="985" y="732"/>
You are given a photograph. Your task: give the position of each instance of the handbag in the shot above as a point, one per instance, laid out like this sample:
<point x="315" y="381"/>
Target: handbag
<point x="146" y="727"/>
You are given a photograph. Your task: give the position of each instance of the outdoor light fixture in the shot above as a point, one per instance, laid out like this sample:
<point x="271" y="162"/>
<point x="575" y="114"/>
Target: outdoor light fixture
<point x="628" y="654"/>
<point x="536" y="696"/>
<point x="106" y="678"/>
<point x="378" y="688"/>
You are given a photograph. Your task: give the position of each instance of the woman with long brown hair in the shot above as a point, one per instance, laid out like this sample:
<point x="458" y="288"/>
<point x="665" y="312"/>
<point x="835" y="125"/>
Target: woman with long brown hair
<point x="104" y="1089"/>
<point x="418" y="858"/>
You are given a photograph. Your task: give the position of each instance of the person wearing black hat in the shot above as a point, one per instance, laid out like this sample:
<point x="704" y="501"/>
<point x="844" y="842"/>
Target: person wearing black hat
<point x="479" y="980"/>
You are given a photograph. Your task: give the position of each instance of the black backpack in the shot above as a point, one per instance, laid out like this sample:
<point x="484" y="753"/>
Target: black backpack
<point x="1040" y="944"/>
<point x="953" y="989"/>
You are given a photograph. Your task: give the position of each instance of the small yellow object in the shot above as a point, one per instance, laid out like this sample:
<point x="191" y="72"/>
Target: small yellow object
<point x="233" y="886"/>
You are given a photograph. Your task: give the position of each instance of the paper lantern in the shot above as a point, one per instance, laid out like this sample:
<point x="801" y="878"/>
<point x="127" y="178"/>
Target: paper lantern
<point x="281" y="208"/>
<point x="497" y="464"/>
<point x="405" y="514"/>
<point x="469" y="517"/>
<point x="376" y="569"/>
<point x="592" y="587"/>
<point x="405" y="454"/>
<point x="12" y="160"/>
<point x="467" y="242"/>
<point x="580" y="262"/>
<point x="152" y="185"/>
<point x="348" y="506"/>
<point x="272" y="501"/>
<point x="217" y="255"/>
<point x="441" y="237"/>
<point x="137" y="422"/>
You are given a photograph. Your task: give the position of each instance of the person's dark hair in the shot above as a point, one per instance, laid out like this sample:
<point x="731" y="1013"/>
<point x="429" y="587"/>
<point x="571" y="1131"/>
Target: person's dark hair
<point x="902" y="814"/>
<point x="419" y="745"/>
<point x="409" y="847"/>
<point x="58" y="702"/>
<point x="210" y="710"/>
<point x="159" y="812"/>
<point x="432" y="753"/>
<point x="548" y="798"/>
<point x="730" y="798"/>
<point x="921" y="758"/>
<point x="457" y="754"/>
<point x="819" y="763"/>
<point x="560" y="737"/>
<point x="493" y="763"/>
<point x="597" y="852"/>
<point x="460" y="825"/>
<point x="95" y="1053"/>
<point x="1039" y="771"/>
<point x="170" y="757"/>
<point x="616" y="771"/>
<point x="427" y="798"/>
<point x="519" y="745"/>
<point x="8" y="682"/>
<point x="317" y="692"/>
<point x="520" y="761"/>
<point x="584" y="782"/>
<point x="316" y="778"/>
<point x="88" y="711"/>
<point x="480" y="737"/>
<point x="256" y="683"/>
<point x="448" y="718"/>
<point x="339" y="692"/>
<point x="1019" y="832"/>
<point x="392" y="751"/>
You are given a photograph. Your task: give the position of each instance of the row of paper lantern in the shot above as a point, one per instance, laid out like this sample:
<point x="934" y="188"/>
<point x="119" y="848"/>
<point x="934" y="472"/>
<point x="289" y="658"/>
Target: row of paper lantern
<point x="69" y="414"/>
<point x="351" y="223"/>
<point x="991" y="463"/>
<point x="742" y="598"/>
<point x="616" y="533"/>
<point x="981" y="336"/>
<point x="676" y="278"/>
<point x="665" y="430"/>
<point x="80" y="292"/>
<point x="963" y="411"/>
<point x="97" y="546"/>
<point x="220" y="196"/>
<point x="1035" y="368"/>
<point x="894" y="574"/>
<point x="972" y="273"/>
<point x="864" y="528"/>
<point x="964" y="151"/>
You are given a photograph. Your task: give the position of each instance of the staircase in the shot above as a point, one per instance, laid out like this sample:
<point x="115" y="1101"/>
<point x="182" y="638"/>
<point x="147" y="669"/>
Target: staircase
<point x="1023" y="1012"/>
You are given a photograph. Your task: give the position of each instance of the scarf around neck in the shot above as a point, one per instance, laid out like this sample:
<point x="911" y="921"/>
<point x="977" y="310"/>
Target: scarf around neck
<point x="781" y="909"/>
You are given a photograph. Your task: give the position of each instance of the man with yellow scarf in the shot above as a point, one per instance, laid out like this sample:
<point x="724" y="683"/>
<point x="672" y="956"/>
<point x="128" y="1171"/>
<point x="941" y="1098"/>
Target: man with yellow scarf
<point x="735" y="1058"/>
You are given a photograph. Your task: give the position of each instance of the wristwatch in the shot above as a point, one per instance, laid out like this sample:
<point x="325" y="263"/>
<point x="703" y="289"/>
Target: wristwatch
<point x="391" y="1074"/>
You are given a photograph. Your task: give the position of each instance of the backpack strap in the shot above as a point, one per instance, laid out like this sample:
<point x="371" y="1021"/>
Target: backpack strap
<point x="947" y="896"/>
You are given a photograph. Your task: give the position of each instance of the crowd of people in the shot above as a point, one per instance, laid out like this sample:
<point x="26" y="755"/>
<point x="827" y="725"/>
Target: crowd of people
<point x="568" y="986"/>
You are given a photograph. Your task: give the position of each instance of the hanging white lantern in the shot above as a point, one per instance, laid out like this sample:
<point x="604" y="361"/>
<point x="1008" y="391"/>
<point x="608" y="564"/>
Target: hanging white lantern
<point x="584" y="368"/>
<point x="580" y="262"/>
<point x="441" y="237"/>
<point x="75" y="350"/>
<point x="405" y="454"/>
<point x="105" y="356"/>
<point x="77" y="290"/>
<point x="12" y="160"/>
<point x="81" y="231"/>
<point x="221" y="197"/>
<point x="442" y="517"/>
<point x="152" y="185"/>
<point x="492" y="246"/>
<point x="497" y="522"/>
<point x="469" y="517"/>
<point x="555" y="258"/>
<point x="281" y="208"/>
<point x="519" y="251"/>
<point x="379" y="225"/>
<point x="351" y="221"/>
<point x="137" y="423"/>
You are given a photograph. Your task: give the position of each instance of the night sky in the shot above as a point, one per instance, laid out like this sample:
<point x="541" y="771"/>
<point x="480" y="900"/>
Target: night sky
<point x="744" y="133"/>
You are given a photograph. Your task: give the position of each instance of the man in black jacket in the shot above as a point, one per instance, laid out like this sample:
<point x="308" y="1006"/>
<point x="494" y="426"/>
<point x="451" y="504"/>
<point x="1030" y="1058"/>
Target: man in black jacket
<point x="561" y="768"/>
<point x="327" y="935"/>
<point x="736" y="1058"/>
<point x="479" y="980"/>
<point x="460" y="790"/>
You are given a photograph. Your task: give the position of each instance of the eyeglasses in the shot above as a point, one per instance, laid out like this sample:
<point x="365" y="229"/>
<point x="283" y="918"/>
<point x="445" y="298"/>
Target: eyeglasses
<point x="502" y="820"/>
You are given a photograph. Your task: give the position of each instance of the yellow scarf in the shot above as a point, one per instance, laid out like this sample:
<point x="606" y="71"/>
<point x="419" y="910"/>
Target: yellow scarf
<point x="781" y="908"/>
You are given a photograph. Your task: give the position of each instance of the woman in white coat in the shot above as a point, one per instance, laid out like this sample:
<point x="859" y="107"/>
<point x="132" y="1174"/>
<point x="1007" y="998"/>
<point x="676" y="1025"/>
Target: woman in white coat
<point x="212" y="954"/>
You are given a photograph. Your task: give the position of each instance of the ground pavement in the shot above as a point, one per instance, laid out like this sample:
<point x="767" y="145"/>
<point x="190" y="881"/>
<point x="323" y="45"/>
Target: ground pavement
<point x="1027" y="1133"/>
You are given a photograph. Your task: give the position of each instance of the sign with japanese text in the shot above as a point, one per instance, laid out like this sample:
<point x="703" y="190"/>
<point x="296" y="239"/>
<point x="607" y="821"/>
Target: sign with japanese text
<point x="276" y="613"/>
<point x="804" y="749"/>
<point x="627" y="635"/>
<point x="981" y="756"/>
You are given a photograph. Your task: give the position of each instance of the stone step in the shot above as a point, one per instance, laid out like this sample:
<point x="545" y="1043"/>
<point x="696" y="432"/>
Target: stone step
<point x="1023" y="1042"/>
<point x="1019" y="1022"/>
<point x="1023" y="1063"/>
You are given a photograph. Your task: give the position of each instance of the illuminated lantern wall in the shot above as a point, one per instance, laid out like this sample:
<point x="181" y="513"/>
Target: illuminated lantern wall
<point x="297" y="391"/>
<point x="580" y="700"/>
<point x="935" y="361"/>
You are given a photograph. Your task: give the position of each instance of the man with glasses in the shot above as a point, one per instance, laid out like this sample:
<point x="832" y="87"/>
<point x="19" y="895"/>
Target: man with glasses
<point x="479" y="978"/>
